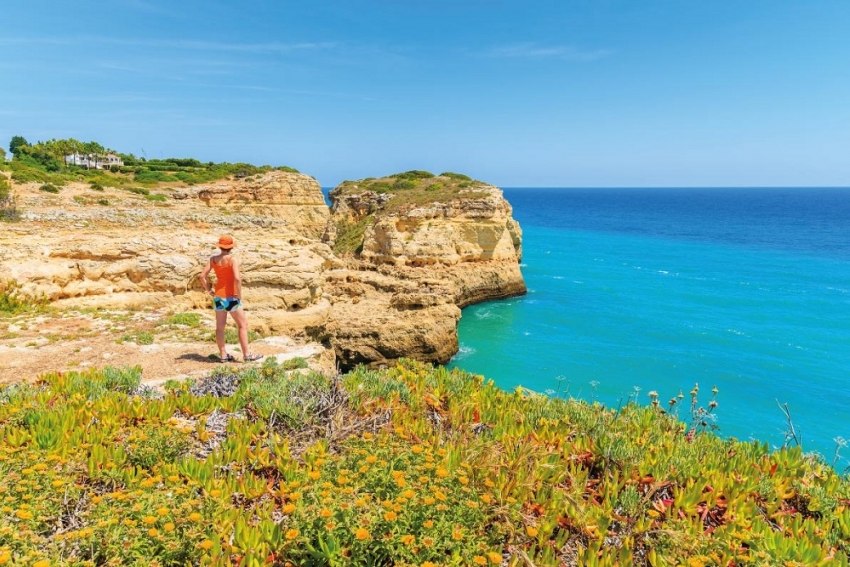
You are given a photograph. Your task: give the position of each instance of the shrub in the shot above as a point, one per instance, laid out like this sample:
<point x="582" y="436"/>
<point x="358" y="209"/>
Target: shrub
<point x="350" y="235"/>
<point x="457" y="176"/>
<point x="13" y="300"/>
<point x="156" y="197"/>
<point x="138" y="337"/>
<point x="139" y="191"/>
<point x="186" y="319"/>
<point x="49" y="188"/>
<point x="95" y="186"/>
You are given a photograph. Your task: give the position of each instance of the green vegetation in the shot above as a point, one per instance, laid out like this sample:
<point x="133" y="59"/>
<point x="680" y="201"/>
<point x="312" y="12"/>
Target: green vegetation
<point x="13" y="300"/>
<point x="49" y="188"/>
<point x="413" y="465"/>
<point x="44" y="162"/>
<point x="156" y="197"/>
<point x="413" y="188"/>
<point x="138" y="337"/>
<point x="186" y="319"/>
<point x="350" y="235"/>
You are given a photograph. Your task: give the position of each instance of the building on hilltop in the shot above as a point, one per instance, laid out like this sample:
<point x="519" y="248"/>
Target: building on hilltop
<point x="94" y="161"/>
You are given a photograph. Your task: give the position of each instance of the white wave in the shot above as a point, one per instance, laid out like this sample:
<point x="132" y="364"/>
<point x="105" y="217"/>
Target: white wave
<point x="523" y="265"/>
<point x="737" y="332"/>
<point x="578" y="282"/>
<point x="557" y="277"/>
<point x="665" y="272"/>
<point x="484" y="314"/>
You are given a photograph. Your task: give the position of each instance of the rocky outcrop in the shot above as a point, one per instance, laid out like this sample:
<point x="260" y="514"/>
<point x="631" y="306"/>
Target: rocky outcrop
<point x="294" y="198"/>
<point x="417" y="262"/>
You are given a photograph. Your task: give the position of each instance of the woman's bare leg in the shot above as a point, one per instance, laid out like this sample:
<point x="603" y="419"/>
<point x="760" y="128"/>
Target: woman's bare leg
<point x="220" y="322"/>
<point x="242" y="324"/>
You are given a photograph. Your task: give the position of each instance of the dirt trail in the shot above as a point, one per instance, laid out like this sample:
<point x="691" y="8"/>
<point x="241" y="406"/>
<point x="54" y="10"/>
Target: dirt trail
<point x="36" y="344"/>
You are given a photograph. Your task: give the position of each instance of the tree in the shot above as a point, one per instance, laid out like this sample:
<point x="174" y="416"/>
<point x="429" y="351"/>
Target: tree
<point x="17" y="143"/>
<point x="2" y="154"/>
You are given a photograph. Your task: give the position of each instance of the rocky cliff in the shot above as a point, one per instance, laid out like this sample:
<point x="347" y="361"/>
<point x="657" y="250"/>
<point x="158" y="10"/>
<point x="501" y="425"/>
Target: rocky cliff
<point x="420" y="247"/>
<point x="381" y="276"/>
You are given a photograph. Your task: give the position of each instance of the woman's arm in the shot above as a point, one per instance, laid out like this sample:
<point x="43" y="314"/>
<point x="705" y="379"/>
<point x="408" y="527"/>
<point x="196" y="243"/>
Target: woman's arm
<point x="237" y="278"/>
<point x="203" y="278"/>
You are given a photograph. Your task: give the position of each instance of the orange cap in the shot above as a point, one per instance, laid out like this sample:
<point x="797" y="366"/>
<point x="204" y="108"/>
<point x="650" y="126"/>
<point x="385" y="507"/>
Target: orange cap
<point x="226" y="241"/>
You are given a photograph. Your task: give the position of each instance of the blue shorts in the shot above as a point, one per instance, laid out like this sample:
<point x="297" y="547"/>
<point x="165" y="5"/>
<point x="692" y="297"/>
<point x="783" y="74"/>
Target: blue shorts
<point x="227" y="303"/>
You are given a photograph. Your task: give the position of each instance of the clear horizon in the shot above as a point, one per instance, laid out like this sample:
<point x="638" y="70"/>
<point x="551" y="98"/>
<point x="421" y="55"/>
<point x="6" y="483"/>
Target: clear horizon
<point x="519" y="94"/>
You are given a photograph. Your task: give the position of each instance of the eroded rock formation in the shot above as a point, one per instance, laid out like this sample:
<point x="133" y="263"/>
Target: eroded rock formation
<point x="398" y="293"/>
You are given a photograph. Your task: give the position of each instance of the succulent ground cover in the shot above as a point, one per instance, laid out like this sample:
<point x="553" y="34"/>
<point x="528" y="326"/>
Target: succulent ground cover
<point x="414" y="465"/>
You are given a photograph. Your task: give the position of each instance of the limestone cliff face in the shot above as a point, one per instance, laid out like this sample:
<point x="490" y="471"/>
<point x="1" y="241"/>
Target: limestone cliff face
<point x="294" y="198"/>
<point x="436" y="257"/>
<point x="399" y="295"/>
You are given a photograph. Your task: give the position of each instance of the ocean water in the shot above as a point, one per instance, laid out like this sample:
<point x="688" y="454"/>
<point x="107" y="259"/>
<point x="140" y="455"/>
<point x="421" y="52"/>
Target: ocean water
<point x="639" y="290"/>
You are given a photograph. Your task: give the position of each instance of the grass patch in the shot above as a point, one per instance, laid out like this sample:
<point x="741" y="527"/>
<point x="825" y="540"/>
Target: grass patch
<point x="186" y="319"/>
<point x="156" y="197"/>
<point x="138" y="337"/>
<point x="14" y="301"/>
<point x="350" y="235"/>
<point x="414" y="188"/>
<point x="49" y="188"/>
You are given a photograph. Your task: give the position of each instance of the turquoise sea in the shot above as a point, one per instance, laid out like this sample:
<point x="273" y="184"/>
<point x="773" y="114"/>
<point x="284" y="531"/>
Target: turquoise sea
<point x="639" y="290"/>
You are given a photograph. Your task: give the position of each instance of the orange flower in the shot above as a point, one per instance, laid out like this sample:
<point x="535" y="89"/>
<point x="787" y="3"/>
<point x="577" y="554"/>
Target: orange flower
<point x="531" y="531"/>
<point x="205" y="545"/>
<point x="495" y="558"/>
<point x="289" y="508"/>
<point x="442" y="473"/>
<point x="162" y="511"/>
<point x="408" y="539"/>
<point x="362" y="534"/>
<point x="42" y="563"/>
<point x="390" y="516"/>
<point x="153" y="532"/>
<point x="325" y="513"/>
<point x="428" y="524"/>
<point x="169" y="527"/>
<point x="457" y="534"/>
<point x="194" y="517"/>
<point x="291" y="534"/>
<point x="149" y="520"/>
<point x="479" y="560"/>
<point x="314" y="475"/>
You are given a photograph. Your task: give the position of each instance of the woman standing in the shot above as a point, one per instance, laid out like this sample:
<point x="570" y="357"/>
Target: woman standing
<point x="227" y="297"/>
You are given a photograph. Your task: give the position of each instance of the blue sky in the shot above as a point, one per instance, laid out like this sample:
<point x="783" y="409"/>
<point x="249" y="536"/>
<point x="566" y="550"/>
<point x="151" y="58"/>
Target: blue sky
<point x="518" y="93"/>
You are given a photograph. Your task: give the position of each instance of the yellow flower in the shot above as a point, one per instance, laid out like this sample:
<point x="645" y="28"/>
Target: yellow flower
<point x="314" y="475"/>
<point x="479" y="560"/>
<point x="495" y="558"/>
<point x="24" y="514"/>
<point x="486" y="498"/>
<point x="362" y="534"/>
<point x="457" y="534"/>
<point x="215" y="493"/>
<point x="409" y="493"/>
<point x="169" y="527"/>
<point x="428" y="524"/>
<point x="206" y="544"/>
<point x="289" y="508"/>
<point x="442" y="473"/>
<point x="390" y="516"/>
<point x="42" y="563"/>
<point x="149" y="520"/>
<point x="153" y="532"/>
<point x="416" y="449"/>
<point x="371" y="459"/>
<point x="56" y="483"/>
<point x="162" y="511"/>
<point x="408" y="539"/>
<point x="291" y="534"/>
<point x="194" y="517"/>
<point x="428" y="500"/>
<point x="5" y="557"/>
<point x="463" y="480"/>
<point x="531" y="531"/>
<point x="325" y="513"/>
<point x="429" y="564"/>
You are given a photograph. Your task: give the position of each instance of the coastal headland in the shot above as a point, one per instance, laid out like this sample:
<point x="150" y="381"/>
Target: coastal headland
<point x="379" y="275"/>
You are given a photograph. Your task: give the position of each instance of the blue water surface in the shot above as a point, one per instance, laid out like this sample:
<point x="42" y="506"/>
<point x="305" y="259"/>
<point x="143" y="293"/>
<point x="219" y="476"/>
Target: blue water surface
<point x="639" y="290"/>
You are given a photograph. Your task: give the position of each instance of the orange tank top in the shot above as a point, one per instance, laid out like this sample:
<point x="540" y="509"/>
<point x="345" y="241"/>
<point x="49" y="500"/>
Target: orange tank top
<point x="225" y="286"/>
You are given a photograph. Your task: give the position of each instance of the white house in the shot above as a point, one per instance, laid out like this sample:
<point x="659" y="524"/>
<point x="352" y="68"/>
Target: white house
<point x="93" y="161"/>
